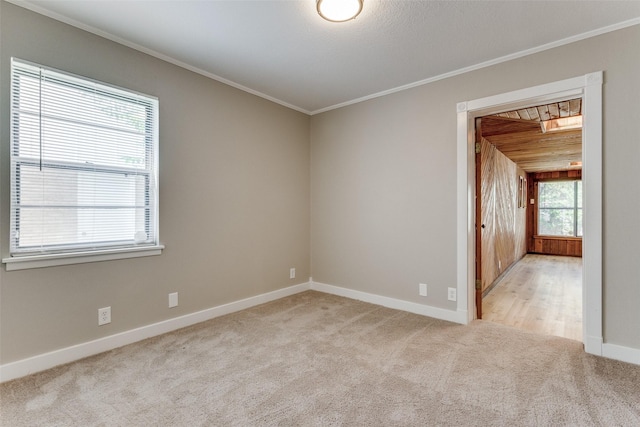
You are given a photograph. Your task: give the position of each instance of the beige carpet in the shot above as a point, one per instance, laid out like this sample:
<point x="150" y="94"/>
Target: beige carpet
<point x="316" y="360"/>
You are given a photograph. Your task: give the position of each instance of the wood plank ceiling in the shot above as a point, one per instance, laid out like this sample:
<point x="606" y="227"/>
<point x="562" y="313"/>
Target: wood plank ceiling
<point x="518" y="135"/>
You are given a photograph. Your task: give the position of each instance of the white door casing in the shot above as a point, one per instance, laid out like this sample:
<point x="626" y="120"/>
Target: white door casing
<point x="589" y="88"/>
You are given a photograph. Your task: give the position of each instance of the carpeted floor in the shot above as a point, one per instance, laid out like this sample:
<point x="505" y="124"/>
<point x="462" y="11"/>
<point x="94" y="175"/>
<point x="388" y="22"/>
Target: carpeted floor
<point x="317" y="360"/>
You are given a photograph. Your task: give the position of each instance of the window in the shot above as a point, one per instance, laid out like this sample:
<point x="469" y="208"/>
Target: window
<point x="560" y="208"/>
<point x="83" y="165"/>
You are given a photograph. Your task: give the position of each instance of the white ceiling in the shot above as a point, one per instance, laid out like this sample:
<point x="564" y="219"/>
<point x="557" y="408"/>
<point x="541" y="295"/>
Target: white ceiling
<point x="282" y="50"/>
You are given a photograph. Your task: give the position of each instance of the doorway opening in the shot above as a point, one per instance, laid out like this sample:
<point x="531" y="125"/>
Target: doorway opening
<point x="529" y="218"/>
<point x="589" y="89"/>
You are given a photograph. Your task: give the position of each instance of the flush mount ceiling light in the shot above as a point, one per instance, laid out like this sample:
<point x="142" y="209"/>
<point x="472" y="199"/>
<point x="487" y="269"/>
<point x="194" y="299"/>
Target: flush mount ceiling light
<point x="339" y="10"/>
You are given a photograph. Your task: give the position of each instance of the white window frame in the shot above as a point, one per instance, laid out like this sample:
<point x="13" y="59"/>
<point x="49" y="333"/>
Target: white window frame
<point x="79" y="254"/>
<point x="575" y="208"/>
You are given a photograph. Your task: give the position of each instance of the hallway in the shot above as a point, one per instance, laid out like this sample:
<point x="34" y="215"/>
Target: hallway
<point x="541" y="293"/>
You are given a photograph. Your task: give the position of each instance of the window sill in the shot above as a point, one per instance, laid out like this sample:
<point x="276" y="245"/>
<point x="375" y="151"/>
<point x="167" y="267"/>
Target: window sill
<point x="542" y="236"/>
<point x="39" y="261"/>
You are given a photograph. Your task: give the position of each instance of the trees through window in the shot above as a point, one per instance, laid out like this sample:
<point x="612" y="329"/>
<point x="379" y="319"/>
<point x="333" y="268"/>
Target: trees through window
<point x="560" y="208"/>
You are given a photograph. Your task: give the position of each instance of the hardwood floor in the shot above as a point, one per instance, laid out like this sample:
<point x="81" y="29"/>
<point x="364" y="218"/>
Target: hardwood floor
<point x="541" y="293"/>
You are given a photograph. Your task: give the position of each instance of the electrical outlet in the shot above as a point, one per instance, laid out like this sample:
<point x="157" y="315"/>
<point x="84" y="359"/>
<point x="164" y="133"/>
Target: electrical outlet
<point x="104" y="316"/>
<point x="451" y="295"/>
<point x="292" y="273"/>
<point x="173" y="299"/>
<point x="422" y="289"/>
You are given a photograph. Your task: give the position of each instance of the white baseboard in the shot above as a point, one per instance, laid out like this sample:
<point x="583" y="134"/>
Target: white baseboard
<point x="593" y="345"/>
<point x="596" y="346"/>
<point x="54" y="358"/>
<point x="411" y="307"/>
<point x="624" y="354"/>
<point x="51" y="359"/>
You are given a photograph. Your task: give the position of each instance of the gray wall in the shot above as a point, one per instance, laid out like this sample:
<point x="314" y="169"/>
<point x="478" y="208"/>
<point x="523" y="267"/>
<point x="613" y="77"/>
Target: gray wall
<point x="384" y="180"/>
<point x="235" y="173"/>
<point x="234" y="198"/>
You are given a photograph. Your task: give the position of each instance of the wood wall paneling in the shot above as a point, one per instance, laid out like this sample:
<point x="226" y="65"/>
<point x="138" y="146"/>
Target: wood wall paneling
<point x="532" y="188"/>
<point x="504" y="233"/>
<point x="521" y="216"/>
<point x="549" y="245"/>
<point x="566" y="174"/>
<point x="489" y="261"/>
<point x="506" y="188"/>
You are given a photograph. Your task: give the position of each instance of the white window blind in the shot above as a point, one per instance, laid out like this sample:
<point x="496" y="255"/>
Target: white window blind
<point x="83" y="164"/>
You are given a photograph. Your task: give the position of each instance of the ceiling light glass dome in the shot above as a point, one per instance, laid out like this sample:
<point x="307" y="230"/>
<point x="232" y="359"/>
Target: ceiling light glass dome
<point x="339" y="10"/>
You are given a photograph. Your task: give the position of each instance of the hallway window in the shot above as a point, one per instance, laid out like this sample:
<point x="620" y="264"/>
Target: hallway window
<point x="560" y="208"/>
